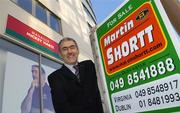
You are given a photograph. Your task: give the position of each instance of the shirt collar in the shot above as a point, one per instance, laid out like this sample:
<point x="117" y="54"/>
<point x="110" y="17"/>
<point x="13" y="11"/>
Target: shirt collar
<point x="70" y="67"/>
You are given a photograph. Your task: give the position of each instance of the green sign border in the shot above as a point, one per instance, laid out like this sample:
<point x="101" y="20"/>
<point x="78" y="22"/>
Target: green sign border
<point x="168" y="52"/>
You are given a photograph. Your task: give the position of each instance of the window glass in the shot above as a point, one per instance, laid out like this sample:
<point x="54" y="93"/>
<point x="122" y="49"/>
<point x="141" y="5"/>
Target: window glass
<point x="25" y="4"/>
<point x="41" y="13"/>
<point x="55" y="23"/>
<point x="20" y="80"/>
<point x="49" y="67"/>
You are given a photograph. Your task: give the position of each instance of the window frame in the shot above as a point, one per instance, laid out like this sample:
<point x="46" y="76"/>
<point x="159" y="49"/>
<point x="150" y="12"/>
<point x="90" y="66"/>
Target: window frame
<point x="48" y="14"/>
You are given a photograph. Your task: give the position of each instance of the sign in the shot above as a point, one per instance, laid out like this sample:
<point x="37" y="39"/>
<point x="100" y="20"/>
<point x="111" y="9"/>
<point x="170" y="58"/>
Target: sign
<point x="140" y="62"/>
<point x="31" y="37"/>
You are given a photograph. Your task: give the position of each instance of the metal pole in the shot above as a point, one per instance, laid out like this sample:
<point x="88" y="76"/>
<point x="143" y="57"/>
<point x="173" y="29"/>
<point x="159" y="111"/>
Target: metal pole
<point x="97" y="66"/>
<point x="40" y="84"/>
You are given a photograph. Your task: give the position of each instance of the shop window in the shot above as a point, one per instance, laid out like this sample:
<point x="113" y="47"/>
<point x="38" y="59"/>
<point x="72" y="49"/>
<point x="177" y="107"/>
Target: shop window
<point x="20" y="73"/>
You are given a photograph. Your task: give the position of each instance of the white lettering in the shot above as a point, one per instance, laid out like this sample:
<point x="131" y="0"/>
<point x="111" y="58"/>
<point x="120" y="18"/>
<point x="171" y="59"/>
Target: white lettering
<point x="122" y="29"/>
<point x="110" y="56"/>
<point x="134" y="43"/>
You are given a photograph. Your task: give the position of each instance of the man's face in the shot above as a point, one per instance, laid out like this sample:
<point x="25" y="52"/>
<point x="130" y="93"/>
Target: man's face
<point x="35" y="73"/>
<point x="69" y="52"/>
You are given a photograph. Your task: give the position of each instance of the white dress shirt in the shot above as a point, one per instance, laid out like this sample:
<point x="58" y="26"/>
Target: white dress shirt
<point x="71" y="67"/>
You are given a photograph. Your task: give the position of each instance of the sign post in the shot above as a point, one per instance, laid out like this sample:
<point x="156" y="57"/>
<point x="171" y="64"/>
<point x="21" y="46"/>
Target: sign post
<point x="140" y="59"/>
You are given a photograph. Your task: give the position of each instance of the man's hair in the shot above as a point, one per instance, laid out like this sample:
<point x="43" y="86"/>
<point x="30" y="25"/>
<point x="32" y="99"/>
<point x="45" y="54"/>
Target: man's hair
<point x="67" y="39"/>
<point x="42" y="69"/>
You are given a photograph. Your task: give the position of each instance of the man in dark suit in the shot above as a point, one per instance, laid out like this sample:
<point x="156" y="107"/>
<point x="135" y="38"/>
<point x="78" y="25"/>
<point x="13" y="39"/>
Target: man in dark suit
<point x="74" y="90"/>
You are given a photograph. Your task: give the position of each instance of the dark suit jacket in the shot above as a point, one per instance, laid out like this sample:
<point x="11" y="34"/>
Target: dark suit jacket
<point x="71" y="96"/>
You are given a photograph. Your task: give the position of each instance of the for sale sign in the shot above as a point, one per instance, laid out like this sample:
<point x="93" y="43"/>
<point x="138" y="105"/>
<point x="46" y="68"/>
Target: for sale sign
<point x="139" y="60"/>
<point x="132" y="40"/>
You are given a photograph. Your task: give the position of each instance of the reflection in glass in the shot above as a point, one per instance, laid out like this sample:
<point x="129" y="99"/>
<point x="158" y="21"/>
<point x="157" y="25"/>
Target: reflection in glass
<point x="32" y="102"/>
<point x="55" y="23"/>
<point x="26" y="4"/>
<point x="20" y="81"/>
<point x="41" y="13"/>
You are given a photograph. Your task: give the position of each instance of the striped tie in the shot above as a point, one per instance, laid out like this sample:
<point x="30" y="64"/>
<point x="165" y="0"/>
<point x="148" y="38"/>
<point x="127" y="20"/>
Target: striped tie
<point x="77" y="70"/>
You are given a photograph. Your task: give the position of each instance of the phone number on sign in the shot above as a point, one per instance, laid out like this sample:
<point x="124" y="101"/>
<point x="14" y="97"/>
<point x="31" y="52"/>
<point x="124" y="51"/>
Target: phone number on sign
<point x="158" y="100"/>
<point x="160" y="88"/>
<point x="152" y="71"/>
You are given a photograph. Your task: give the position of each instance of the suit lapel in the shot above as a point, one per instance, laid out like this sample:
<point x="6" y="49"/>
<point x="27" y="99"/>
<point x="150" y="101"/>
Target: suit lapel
<point x="67" y="73"/>
<point x="70" y="75"/>
<point x="81" y="72"/>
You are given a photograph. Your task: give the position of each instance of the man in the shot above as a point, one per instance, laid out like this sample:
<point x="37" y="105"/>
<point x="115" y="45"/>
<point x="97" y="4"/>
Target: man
<point x="31" y="103"/>
<point x="74" y="90"/>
